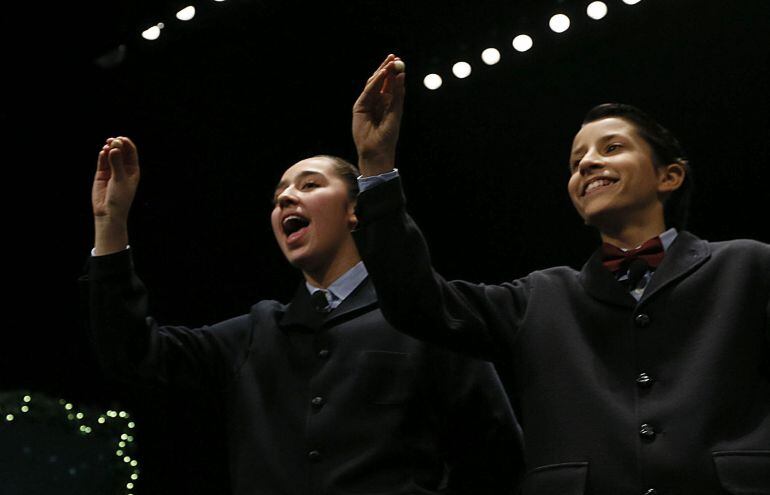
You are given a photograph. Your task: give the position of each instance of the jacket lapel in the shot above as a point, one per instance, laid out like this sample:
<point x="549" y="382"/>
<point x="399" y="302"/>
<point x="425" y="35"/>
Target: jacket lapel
<point x="600" y="283"/>
<point x="362" y="299"/>
<point x="300" y="311"/>
<point x="683" y="256"/>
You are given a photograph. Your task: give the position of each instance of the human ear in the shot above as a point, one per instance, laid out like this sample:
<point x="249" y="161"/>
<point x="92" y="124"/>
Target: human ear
<point x="671" y="177"/>
<point x="352" y="218"/>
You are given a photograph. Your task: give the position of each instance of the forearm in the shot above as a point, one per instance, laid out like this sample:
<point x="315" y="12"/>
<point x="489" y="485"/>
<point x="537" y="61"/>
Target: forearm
<point x="110" y="235"/>
<point x="412" y="296"/>
<point x="118" y="313"/>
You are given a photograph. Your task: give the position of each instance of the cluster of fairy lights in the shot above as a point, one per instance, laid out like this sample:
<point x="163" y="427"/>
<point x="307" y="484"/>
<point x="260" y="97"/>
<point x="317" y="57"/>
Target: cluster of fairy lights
<point x="558" y="23"/>
<point x="85" y="427"/>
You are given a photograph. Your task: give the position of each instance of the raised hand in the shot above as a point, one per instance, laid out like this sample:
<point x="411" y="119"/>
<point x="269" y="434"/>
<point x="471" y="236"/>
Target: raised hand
<point x="377" y="118"/>
<point x="113" y="191"/>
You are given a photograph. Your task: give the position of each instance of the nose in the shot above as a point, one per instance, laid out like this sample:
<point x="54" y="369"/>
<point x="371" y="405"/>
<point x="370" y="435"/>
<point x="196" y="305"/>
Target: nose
<point x="286" y="198"/>
<point x="590" y="163"/>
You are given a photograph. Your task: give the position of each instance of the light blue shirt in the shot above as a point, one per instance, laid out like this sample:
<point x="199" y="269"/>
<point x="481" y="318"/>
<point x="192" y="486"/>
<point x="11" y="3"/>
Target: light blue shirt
<point x="343" y="286"/>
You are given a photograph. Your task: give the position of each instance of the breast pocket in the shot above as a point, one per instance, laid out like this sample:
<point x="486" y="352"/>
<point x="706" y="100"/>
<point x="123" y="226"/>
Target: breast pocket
<point x="386" y="378"/>
<point x="557" y="479"/>
<point x="744" y="472"/>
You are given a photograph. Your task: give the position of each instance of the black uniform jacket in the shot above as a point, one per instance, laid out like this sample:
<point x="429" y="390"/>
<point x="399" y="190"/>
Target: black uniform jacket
<point x="320" y="404"/>
<point x="668" y="395"/>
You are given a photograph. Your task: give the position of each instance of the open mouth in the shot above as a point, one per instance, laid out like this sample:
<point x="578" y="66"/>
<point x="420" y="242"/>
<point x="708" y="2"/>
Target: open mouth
<point x="294" y="225"/>
<point x="598" y="184"/>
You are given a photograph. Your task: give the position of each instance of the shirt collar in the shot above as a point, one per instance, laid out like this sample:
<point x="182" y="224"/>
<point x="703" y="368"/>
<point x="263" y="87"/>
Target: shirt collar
<point x="344" y="285"/>
<point x="667" y="237"/>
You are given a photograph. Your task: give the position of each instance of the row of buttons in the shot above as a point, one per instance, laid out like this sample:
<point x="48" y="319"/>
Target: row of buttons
<point x="646" y="431"/>
<point x="317" y="402"/>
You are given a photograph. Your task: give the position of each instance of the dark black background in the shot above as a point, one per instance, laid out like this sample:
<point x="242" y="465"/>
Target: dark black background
<point x="221" y="105"/>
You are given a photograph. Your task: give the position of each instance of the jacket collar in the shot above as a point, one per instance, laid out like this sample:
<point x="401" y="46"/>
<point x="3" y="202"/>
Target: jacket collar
<point x="300" y="311"/>
<point x="685" y="254"/>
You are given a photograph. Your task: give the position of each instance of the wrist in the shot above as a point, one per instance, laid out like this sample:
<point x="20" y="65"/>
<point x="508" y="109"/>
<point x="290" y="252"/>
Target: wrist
<point x="110" y="236"/>
<point x="370" y="165"/>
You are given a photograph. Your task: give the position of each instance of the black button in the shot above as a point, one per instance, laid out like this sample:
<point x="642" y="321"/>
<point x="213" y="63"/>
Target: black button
<point x="651" y="491"/>
<point x="314" y="455"/>
<point x="642" y="320"/>
<point x="323" y="353"/>
<point x="647" y="432"/>
<point x="317" y="402"/>
<point x="644" y="380"/>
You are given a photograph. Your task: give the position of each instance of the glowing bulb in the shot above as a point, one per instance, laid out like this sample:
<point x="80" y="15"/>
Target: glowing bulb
<point x="461" y="70"/>
<point x="596" y="10"/>
<point x="432" y="81"/>
<point x="151" y="34"/>
<point x="559" y="23"/>
<point x="490" y="56"/>
<point x="186" y="13"/>
<point x="27" y="398"/>
<point x="9" y="417"/>
<point x="631" y="2"/>
<point x="101" y="420"/>
<point x="24" y="408"/>
<point x="522" y="43"/>
<point x="131" y="424"/>
<point x="68" y="406"/>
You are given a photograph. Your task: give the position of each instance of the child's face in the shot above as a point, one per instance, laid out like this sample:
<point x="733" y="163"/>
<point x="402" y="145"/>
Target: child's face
<point x="313" y="214"/>
<point x="614" y="179"/>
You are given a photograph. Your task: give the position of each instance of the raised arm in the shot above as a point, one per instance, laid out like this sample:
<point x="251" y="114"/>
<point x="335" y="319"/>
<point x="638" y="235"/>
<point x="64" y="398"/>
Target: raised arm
<point x="128" y="342"/>
<point x="473" y="319"/>
<point x="377" y="118"/>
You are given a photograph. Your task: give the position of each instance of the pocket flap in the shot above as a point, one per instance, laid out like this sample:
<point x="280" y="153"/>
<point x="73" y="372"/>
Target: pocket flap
<point x="744" y="472"/>
<point x="567" y="478"/>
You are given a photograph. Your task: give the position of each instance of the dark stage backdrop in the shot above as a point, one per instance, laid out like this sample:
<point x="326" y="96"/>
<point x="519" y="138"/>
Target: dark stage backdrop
<point x="221" y="105"/>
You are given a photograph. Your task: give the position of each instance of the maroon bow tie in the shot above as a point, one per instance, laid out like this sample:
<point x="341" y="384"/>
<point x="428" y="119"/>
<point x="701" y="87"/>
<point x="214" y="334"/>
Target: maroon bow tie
<point x="614" y="258"/>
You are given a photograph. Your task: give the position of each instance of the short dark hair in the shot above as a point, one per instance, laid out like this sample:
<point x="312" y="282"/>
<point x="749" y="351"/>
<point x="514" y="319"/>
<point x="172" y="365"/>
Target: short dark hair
<point x="666" y="149"/>
<point x="346" y="171"/>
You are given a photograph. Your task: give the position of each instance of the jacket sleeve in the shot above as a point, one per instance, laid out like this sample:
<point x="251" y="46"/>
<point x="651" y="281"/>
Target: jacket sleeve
<point x="130" y="345"/>
<point x="474" y="319"/>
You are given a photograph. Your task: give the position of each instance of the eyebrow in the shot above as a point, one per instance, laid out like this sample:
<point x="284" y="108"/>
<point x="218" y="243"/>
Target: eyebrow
<point x="282" y="184"/>
<point x="605" y="138"/>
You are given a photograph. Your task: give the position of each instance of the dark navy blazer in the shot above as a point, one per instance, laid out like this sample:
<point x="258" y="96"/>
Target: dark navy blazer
<point x="328" y="404"/>
<point x="667" y="395"/>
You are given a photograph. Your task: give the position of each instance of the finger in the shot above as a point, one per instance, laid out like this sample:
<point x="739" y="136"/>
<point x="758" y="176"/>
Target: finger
<point x="392" y="73"/>
<point x="101" y="161"/>
<point x="373" y="85"/>
<point x="130" y="152"/>
<point x="385" y="62"/>
<point x="398" y="91"/>
<point x="115" y="156"/>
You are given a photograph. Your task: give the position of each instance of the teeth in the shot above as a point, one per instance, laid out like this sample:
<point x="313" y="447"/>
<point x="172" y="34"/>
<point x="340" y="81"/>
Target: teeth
<point x="598" y="183"/>
<point x="292" y="217"/>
